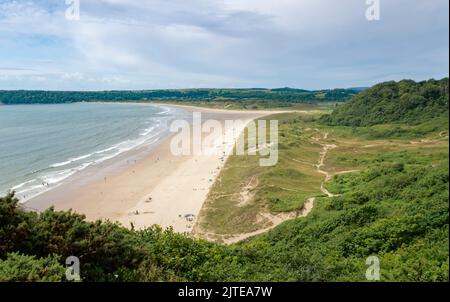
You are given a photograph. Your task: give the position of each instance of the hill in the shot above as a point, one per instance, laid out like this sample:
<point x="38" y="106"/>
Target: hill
<point x="282" y="97"/>
<point x="405" y="102"/>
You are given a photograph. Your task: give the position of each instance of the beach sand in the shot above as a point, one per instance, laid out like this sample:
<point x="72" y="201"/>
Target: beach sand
<point x="151" y="187"/>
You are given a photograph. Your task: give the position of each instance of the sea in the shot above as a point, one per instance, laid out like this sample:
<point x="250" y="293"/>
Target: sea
<point x="42" y="146"/>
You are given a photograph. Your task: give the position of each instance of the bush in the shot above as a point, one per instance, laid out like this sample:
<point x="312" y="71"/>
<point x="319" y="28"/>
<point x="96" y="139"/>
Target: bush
<point x="17" y="267"/>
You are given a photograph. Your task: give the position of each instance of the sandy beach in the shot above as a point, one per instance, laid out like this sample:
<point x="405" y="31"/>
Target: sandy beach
<point x="139" y="189"/>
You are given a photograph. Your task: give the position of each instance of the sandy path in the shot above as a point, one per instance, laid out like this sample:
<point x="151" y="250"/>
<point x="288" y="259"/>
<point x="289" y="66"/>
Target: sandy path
<point x="323" y="154"/>
<point x="275" y="220"/>
<point x="282" y="217"/>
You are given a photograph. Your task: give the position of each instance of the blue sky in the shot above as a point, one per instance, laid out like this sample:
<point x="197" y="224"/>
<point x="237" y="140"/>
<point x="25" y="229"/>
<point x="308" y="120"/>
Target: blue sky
<point x="134" y="44"/>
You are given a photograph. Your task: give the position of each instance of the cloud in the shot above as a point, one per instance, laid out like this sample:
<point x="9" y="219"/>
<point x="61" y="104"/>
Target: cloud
<point x="131" y="44"/>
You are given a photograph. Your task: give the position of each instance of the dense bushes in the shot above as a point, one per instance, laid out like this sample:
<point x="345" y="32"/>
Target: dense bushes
<point x="393" y="102"/>
<point x="399" y="213"/>
<point x="400" y="224"/>
<point x="17" y="267"/>
<point x="103" y="248"/>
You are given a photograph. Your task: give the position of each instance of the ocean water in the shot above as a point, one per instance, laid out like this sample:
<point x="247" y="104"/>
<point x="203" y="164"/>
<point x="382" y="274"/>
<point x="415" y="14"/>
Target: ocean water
<point x="41" y="146"/>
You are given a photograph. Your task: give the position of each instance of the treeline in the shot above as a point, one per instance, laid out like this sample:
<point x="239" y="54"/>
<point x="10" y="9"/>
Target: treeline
<point x="406" y="102"/>
<point x="281" y="96"/>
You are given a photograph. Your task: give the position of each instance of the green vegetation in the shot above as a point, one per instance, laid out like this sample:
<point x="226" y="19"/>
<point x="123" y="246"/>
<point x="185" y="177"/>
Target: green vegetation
<point x="390" y="195"/>
<point x="18" y="267"/>
<point x="395" y="212"/>
<point x="321" y="106"/>
<point x="244" y="189"/>
<point x="405" y="102"/>
<point x="235" y="98"/>
<point x="396" y="209"/>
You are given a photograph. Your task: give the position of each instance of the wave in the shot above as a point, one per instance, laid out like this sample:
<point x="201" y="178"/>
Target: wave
<point x="75" y="159"/>
<point x="80" y="157"/>
<point x="60" y="164"/>
<point x="146" y="131"/>
<point x="43" y="182"/>
<point x="21" y="185"/>
<point x="165" y="111"/>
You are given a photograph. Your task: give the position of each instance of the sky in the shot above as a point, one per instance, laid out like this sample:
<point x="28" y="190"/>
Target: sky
<point x="155" y="44"/>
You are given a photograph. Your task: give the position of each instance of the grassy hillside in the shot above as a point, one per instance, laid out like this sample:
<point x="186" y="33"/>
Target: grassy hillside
<point x="246" y="196"/>
<point x="405" y="102"/>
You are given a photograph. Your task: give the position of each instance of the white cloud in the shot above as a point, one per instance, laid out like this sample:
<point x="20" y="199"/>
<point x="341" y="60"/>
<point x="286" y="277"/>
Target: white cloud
<point x="120" y="44"/>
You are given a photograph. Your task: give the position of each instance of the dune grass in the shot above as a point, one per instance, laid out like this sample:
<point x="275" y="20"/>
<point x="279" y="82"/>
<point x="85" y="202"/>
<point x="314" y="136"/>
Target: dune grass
<point x="235" y="207"/>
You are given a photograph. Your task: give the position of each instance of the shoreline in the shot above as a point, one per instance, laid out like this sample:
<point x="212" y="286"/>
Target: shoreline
<point x="146" y="127"/>
<point x="146" y="187"/>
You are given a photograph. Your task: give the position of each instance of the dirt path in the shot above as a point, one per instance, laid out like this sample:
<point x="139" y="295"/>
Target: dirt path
<point x="320" y="164"/>
<point x="277" y="219"/>
<point x="442" y="136"/>
<point x="274" y="219"/>
<point x="323" y="154"/>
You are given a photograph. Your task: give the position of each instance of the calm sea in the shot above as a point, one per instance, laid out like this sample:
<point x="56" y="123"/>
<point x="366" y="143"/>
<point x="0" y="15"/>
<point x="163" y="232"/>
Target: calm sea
<point x="43" y="145"/>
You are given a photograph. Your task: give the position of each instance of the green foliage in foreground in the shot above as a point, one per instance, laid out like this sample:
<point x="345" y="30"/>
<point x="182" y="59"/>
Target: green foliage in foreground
<point x="405" y="102"/>
<point x="19" y="267"/>
<point x="394" y="210"/>
<point x="398" y="214"/>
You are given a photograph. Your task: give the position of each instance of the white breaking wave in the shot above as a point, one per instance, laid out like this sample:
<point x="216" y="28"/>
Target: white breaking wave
<point x="22" y="184"/>
<point x="52" y="179"/>
<point x="166" y="110"/>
